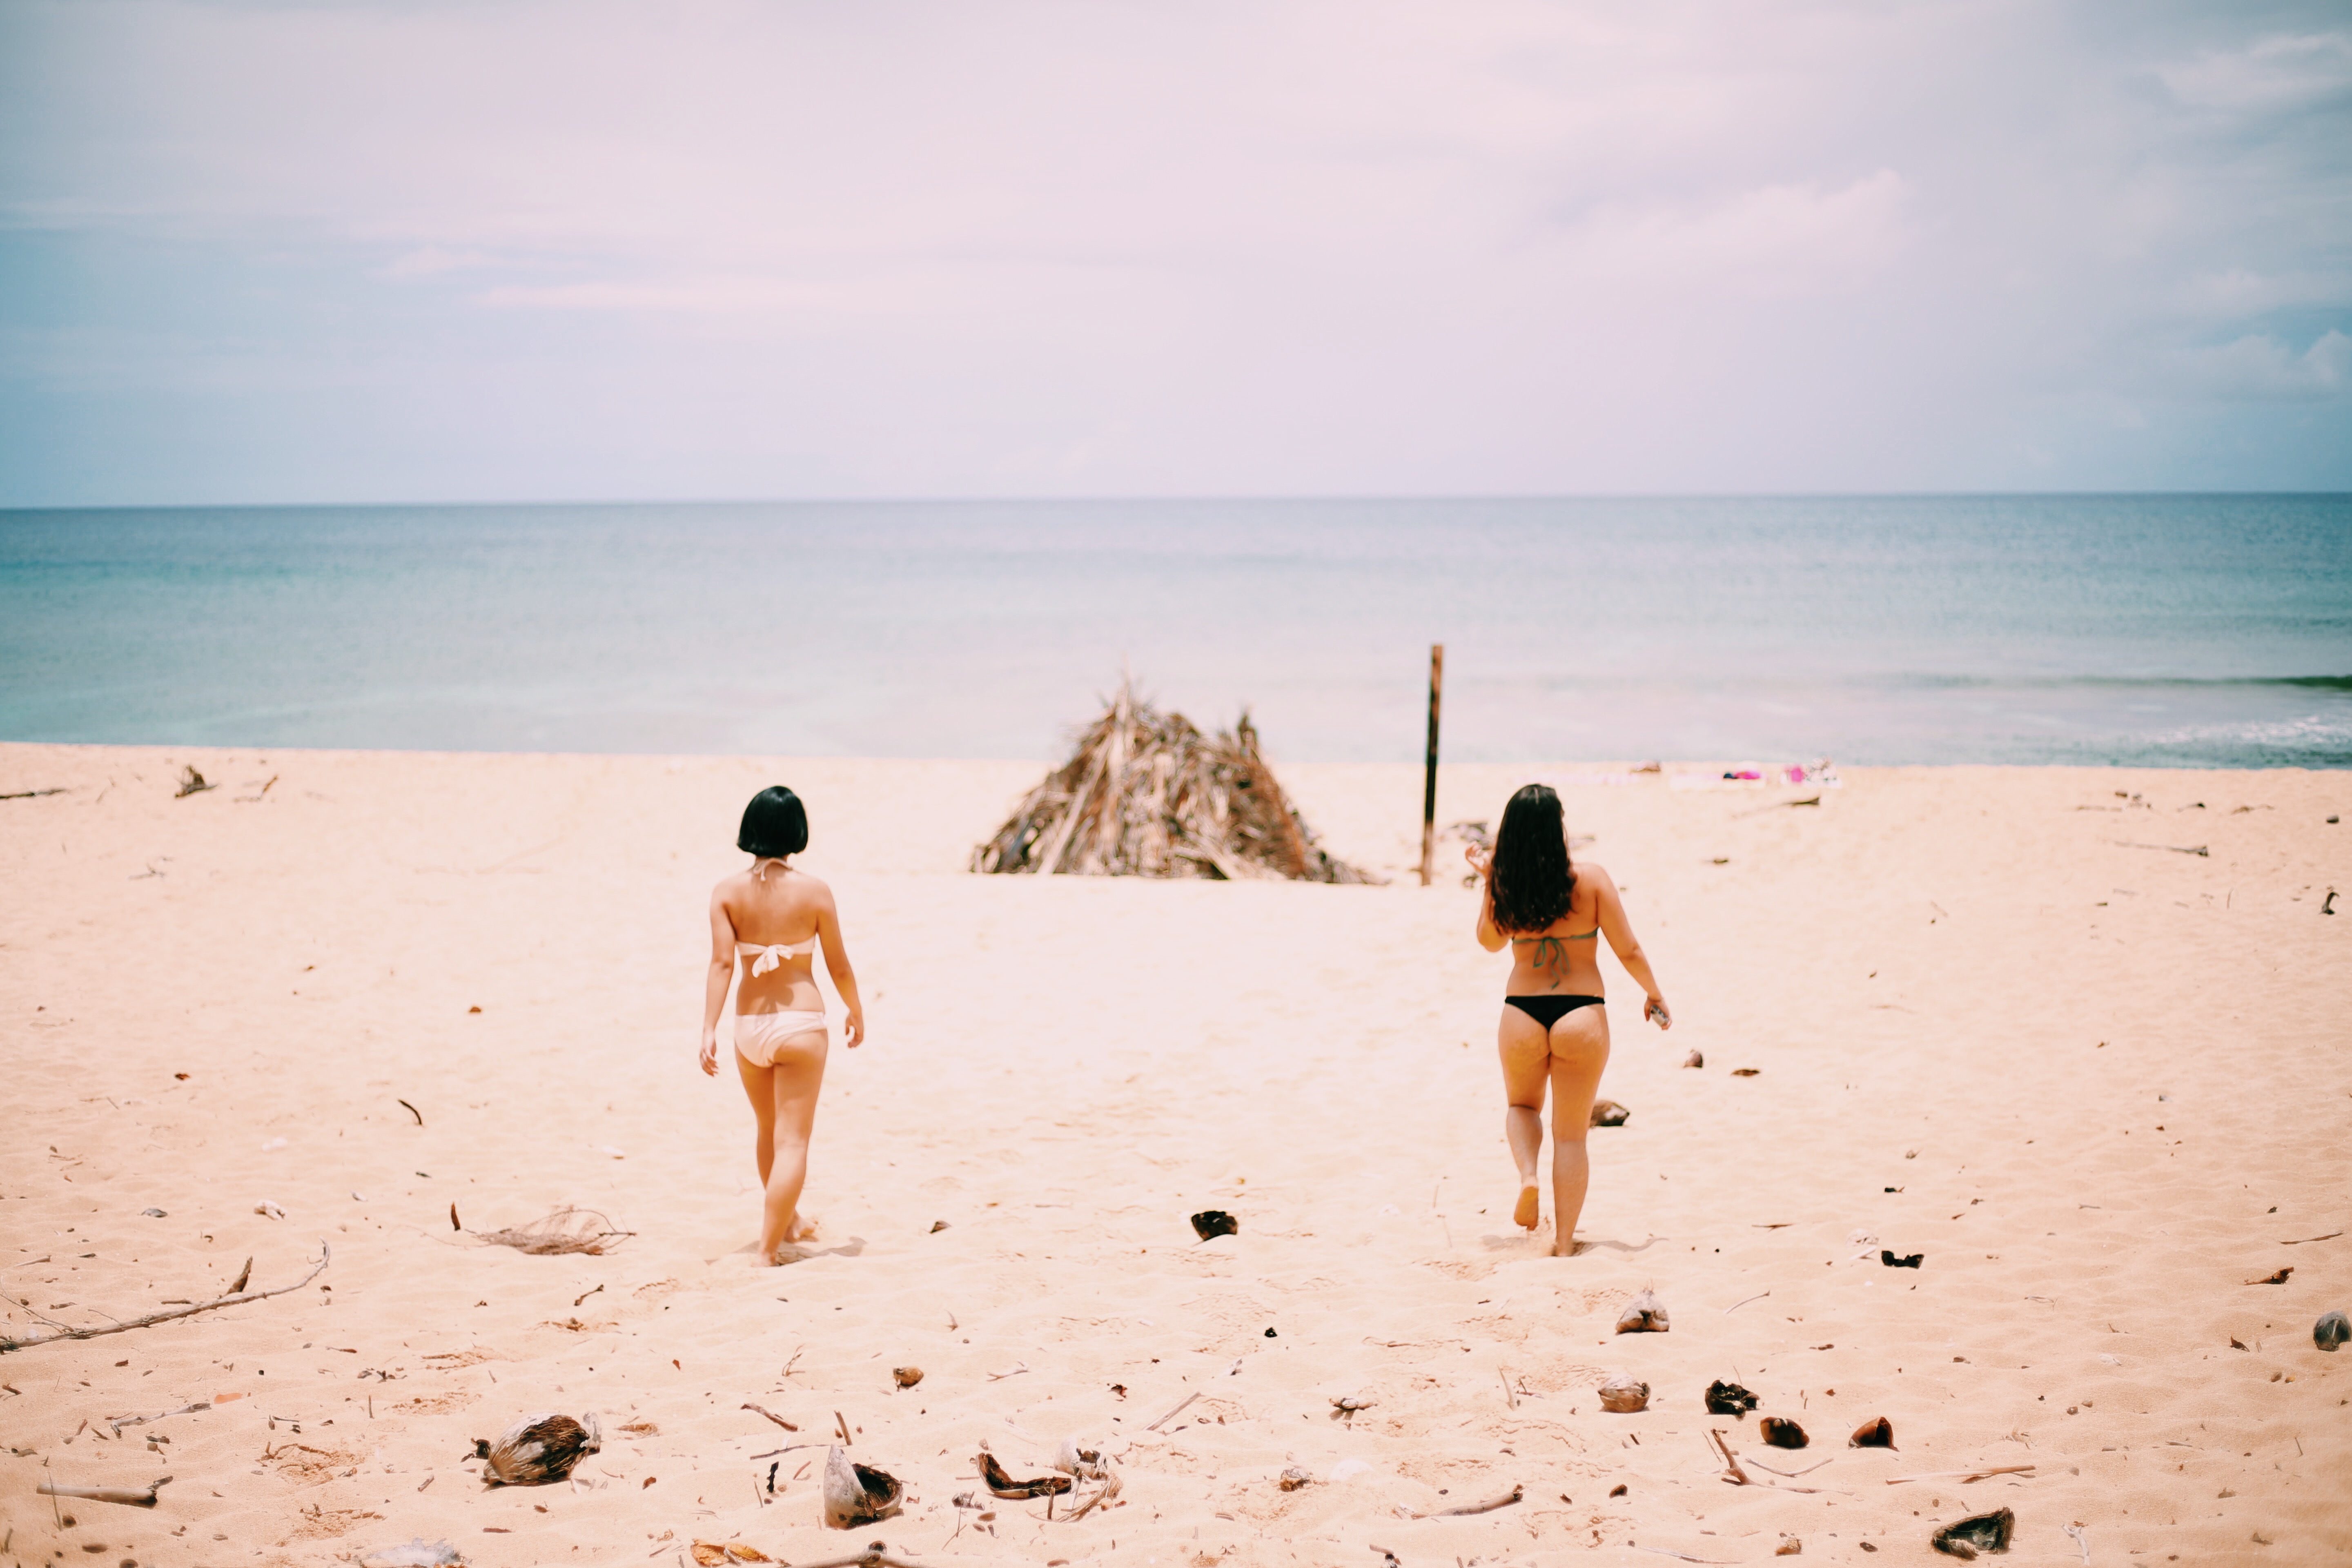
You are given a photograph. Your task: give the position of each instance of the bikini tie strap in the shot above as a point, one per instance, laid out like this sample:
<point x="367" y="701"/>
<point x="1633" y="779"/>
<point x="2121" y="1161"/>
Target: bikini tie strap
<point x="759" y="867"/>
<point x="770" y="957"/>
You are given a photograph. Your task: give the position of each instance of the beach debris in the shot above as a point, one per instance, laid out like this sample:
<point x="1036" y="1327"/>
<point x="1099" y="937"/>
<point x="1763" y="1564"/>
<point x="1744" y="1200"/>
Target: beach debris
<point x="1695" y="1059"/>
<point x="1887" y="1257"/>
<point x="1489" y="1506"/>
<point x="1965" y="1477"/>
<point x="1347" y="1404"/>
<point x="2332" y="1330"/>
<point x="1789" y="1547"/>
<point x="1877" y="1434"/>
<point x="1607" y="1113"/>
<point x="192" y="782"/>
<point x="718" y="1553"/>
<point x="994" y="1477"/>
<point x="857" y="1494"/>
<point x="1759" y="1295"/>
<point x="1782" y="1432"/>
<point x="37" y="793"/>
<point x="1644" y="1314"/>
<point x="268" y="1210"/>
<point x="562" y="1233"/>
<point x="1146" y="794"/>
<point x="2082" y="1540"/>
<point x="130" y="1496"/>
<point x="1980" y="1532"/>
<point x="540" y="1449"/>
<point x="1215" y="1222"/>
<point x="937" y="1226"/>
<point x="1746" y="1072"/>
<point x="119" y="1422"/>
<point x="2328" y="904"/>
<point x="412" y="1110"/>
<point x="906" y="1376"/>
<point x="1292" y="1479"/>
<point x="1623" y="1394"/>
<point x="416" y="1552"/>
<point x="1182" y="1405"/>
<point x="2169" y="849"/>
<point x="649" y="1428"/>
<point x="236" y="1297"/>
<point x="1729" y="1399"/>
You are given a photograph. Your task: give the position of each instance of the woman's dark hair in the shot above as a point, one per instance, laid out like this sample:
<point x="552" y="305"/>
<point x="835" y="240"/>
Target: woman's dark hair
<point x="1531" y="881"/>
<point x="774" y="825"/>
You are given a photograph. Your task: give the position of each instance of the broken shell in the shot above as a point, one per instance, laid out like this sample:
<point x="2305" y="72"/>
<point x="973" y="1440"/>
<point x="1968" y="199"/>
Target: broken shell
<point x="1077" y="1458"/>
<point x="416" y="1553"/>
<point x="540" y="1449"/>
<point x="1644" y="1314"/>
<point x="1623" y="1394"/>
<point x="1878" y="1433"/>
<point x="856" y="1494"/>
<point x="1728" y="1399"/>
<point x="1984" y="1532"/>
<point x="1782" y="1432"/>
<point x="1695" y="1059"/>
<point x="906" y="1376"/>
<point x="1215" y="1222"/>
<point x="1000" y="1482"/>
<point x="1349" y="1404"/>
<point x="1293" y="1479"/>
<point x="1789" y="1547"/>
<point x="1887" y="1257"/>
<point x="2332" y="1330"/>
<point x="1607" y="1113"/>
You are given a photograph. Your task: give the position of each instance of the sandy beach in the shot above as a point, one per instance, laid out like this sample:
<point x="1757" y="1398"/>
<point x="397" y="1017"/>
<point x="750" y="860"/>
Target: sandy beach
<point x="1992" y="1017"/>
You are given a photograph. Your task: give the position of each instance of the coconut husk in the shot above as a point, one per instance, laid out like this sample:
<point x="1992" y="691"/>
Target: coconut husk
<point x="566" y="1230"/>
<point x="1145" y="794"/>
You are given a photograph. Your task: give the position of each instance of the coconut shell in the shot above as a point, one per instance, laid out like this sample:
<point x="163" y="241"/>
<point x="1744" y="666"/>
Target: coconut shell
<point x="1782" y="1432"/>
<point x="1878" y="1433"/>
<point x="1644" y="1314"/>
<point x="2332" y="1330"/>
<point x="1623" y="1394"/>
<point x="856" y="1494"/>
<point x="1983" y="1533"/>
<point x="538" y="1449"/>
<point x="1607" y="1113"/>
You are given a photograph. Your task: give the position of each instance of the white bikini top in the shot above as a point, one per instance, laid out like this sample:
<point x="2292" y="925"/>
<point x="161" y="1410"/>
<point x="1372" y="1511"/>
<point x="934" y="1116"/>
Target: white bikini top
<point x="775" y="954"/>
<point x="769" y="957"/>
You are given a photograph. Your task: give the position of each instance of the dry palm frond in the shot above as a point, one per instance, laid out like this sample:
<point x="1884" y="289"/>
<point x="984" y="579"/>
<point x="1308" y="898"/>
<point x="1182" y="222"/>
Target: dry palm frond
<point x="1146" y="794"/>
<point x="565" y="1231"/>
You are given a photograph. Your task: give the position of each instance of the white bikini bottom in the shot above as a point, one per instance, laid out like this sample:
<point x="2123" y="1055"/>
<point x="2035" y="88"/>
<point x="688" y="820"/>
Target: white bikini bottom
<point x="760" y="1038"/>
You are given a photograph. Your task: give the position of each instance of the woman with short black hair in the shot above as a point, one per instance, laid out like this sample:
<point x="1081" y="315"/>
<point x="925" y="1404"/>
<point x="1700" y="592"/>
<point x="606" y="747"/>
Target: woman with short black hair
<point x="772" y="915"/>
<point x="1554" y="1032"/>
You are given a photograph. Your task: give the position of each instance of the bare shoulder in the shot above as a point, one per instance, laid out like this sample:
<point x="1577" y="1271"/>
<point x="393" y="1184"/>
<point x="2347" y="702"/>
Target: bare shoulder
<point x="1595" y="873"/>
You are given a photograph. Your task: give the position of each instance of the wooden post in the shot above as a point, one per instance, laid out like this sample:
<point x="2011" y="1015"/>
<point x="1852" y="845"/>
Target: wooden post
<point x="1428" y="790"/>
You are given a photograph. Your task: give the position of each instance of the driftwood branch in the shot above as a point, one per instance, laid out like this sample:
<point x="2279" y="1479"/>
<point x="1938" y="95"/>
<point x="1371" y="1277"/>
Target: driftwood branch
<point x="1506" y="1500"/>
<point x="873" y="1559"/>
<point x="1175" y="1413"/>
<point x="770" y="1415"/>
<point x="119" y="1422"/>
<point x="128" y="1496"/>
<point x="30" y="793"/>
<point x="1963" y="1477"/>
<point x="238" y="1299"/>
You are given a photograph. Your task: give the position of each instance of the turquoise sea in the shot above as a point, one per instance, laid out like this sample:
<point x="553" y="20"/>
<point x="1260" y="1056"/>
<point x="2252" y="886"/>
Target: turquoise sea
<point x="2168" y="630"/>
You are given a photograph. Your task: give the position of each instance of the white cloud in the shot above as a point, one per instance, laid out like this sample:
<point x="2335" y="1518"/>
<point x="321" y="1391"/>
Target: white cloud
<point x="2259" y="365"/>
<point x="2274" y="74"/>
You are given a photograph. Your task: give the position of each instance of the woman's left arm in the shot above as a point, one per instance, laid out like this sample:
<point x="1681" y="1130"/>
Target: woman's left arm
<point x="845" y="979"/>
<point x="1625" y="945"/>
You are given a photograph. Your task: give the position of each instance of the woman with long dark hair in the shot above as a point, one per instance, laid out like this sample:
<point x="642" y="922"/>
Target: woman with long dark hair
<point x="772" y="915"/>
<point x="1555" y="1032"/>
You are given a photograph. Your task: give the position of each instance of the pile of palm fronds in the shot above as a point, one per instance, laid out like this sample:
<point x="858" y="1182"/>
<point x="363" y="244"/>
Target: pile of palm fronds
<point x="567" y="1230"/>
<point x="1146" y="794"/>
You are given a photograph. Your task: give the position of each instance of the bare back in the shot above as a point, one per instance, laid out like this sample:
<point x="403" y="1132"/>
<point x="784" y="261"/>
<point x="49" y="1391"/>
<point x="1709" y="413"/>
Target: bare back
<point x="782" y="909"/>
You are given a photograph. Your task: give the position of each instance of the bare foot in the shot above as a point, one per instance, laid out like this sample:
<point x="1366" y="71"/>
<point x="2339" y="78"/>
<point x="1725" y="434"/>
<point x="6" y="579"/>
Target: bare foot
<point x="802" y="1228"/>
<point x="1568" y="1248"/>
<point x="1529" y="1214"/>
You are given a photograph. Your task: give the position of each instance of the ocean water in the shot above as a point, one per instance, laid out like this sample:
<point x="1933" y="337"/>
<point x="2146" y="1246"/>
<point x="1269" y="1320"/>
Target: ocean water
<point x="2164" y="630"/>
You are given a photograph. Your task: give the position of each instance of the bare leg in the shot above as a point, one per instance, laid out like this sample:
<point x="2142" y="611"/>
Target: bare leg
<point x="783" y="1100"/>
<point x="1527" y="1061"/>
<point x="1580" y="1051"/>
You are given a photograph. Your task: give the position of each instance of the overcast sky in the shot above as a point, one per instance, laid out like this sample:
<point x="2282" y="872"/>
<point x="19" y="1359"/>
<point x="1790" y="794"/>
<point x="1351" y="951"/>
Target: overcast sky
<point x="556" y="250"/>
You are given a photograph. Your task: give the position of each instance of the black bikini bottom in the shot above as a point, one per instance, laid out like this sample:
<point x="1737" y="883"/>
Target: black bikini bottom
<point x="1551" y="1010"/>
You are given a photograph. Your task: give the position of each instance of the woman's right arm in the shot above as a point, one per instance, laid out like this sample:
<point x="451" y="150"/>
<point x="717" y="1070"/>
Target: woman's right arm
<point x="714" y="986"/>
<point x="1490" y="939"/>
